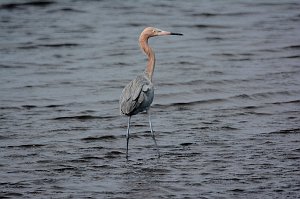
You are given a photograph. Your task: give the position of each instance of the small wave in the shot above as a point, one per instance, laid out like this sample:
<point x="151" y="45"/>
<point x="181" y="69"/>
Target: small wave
<point x="292" y="47"/>
<point x="186" y="143"/>
<point x="230" y="81"/>
<point x="9" y="108"/>
<point x="242" y="96"/>
<point x="135" y="24"/>
<point x="83" y="117"/>
<point x="62" y="45"/>
<point x="68" y="10"/>
<point x="205" y="14"/>
<point x="203" y="26"/>
<point x="200" y="128"/>
<point x="225" y="54"/>
<point x="214" y="72"/>
<point x="113" y="154"/>
<point x="287" y="131"/>
<point x="97" y="138"/>
<point x="122" y="64"/>
<point x="209" y="26"/>
<point x="262" y="95"/>
<point x="88" y="157"/>
<point x="211" y="127"/>
<point x="209" y="14"/>
<point x="154" y="170"/>
<point x="237" y="189"/>
<point x="187" y="63"/>
<point x="3" y="137"/>
<point x="53" y="106"/>
<point x="70" y="129"/>
<point x="163" y="5"/>
<point x="271" y="4"/>
<point x="65" y="168"/>
<point x="229" y="128"/>
<point x="188" y="83"/>
<point x="250" y="107"/>
<point x="214" y="38"/>
<point x="235" y="57"/>
<point x="296" y="150"/>
<point x="178" y="104"/>
<point x="117" y="54"/>
<point x="291" y="57"/>
<point x="12" y="6"/>
<point x="27" y="146"/>
<point x="270" y="94"/>
<point x="29" y="106"/>
<point x="5" y="194"/>
<point x="288" y="102"/>
<point x="239" y="59"/>
<point x="11" y="67"/>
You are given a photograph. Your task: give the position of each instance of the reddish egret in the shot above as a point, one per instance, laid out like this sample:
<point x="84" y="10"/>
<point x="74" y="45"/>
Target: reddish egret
<point x="138" y="95"/>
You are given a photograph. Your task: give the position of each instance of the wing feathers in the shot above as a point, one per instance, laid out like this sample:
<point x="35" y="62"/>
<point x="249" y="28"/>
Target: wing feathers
<point x="136" y="96"/>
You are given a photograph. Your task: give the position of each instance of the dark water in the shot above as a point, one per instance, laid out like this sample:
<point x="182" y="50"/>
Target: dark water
<point x="226" y="110"/>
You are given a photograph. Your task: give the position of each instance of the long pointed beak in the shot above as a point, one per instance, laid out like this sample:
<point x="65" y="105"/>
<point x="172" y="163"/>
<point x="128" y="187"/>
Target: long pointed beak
<point x="175" y="33"/>
<point x="168" y="33"/>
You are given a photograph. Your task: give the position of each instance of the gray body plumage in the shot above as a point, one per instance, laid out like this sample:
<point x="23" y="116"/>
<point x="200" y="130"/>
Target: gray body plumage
<point x="137" y="96"/>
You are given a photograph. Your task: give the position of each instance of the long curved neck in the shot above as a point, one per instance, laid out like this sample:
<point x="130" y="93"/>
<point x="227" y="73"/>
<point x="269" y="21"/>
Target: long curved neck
<point x="150" y="54"/>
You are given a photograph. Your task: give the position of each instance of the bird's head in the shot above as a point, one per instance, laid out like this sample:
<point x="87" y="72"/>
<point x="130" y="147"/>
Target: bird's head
<point x="152" y="32"/>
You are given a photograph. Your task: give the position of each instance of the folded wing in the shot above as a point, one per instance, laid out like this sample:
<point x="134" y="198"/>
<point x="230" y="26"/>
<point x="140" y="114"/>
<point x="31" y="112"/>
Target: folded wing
<point x="137" y="96"/>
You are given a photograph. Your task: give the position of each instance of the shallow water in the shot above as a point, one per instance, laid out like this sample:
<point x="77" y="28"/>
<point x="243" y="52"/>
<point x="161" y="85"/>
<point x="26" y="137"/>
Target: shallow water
<point x="226" y="110"/>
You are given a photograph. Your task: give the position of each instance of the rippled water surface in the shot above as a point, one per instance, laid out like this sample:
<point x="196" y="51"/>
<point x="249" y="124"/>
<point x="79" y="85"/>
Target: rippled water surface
<point x="226" y="110"/>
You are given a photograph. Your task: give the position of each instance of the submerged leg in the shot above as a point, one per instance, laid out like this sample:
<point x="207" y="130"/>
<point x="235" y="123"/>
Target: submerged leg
<point x="153" y="136"/>
<point x="127" y="136"/>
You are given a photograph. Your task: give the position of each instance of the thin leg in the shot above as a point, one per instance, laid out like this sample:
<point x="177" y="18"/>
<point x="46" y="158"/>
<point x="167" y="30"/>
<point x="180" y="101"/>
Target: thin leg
<point x="153" y="136"/>
<point x="127" y="136"/>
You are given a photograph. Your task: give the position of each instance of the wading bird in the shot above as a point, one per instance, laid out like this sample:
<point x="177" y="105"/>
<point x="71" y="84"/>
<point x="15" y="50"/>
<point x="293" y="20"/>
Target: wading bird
<point x="138" y="95"/>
